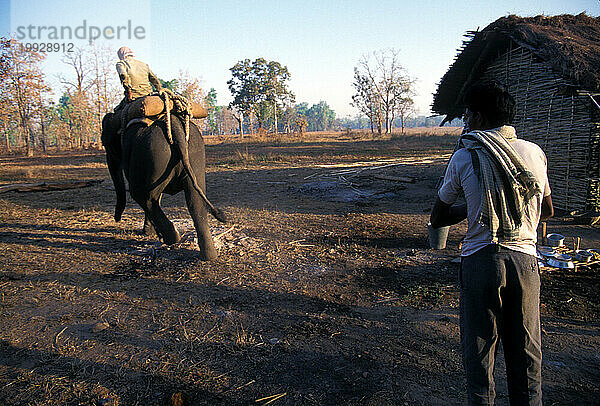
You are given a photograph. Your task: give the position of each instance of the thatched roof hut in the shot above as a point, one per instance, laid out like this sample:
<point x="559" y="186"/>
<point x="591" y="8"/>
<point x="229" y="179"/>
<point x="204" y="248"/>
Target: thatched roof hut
<point x="552" y="67"/>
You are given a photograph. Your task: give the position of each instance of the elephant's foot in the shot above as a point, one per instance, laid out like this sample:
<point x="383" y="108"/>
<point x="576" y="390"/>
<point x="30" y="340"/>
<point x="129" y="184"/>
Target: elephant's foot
<point x="206" y="247"/>
<point x="171" y="237"/>
<point x="208" y="254"/>
<point x="148" y="229"/>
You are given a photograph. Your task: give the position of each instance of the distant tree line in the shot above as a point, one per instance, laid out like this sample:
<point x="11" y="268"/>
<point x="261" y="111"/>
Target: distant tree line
<point x="362" y="122"/>
<point x="32" y="119"/>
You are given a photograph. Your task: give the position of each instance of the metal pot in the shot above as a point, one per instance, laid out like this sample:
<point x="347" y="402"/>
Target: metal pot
<point x="555" y="240"/>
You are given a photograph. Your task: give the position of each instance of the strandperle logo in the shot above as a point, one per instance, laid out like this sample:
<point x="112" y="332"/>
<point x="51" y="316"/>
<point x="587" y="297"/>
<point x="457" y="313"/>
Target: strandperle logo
<point x="83" y="31"/>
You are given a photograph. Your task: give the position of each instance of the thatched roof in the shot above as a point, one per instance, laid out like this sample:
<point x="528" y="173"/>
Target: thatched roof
<point x="569" y="44"/>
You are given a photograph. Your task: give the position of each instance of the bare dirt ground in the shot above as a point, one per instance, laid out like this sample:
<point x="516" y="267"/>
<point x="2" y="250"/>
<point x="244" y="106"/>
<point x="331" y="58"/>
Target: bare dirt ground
<point x="324" y="293"/>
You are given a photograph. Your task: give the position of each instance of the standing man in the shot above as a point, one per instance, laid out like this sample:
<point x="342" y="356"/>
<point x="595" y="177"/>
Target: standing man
<point x="505" y="184"/>
<point x="136" y="77"/>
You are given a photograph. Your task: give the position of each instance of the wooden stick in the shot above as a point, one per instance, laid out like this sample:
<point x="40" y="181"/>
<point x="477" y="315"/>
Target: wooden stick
<point x="271" y="398"/>
<point x="544" y="233"/>
<point x="50" y="186"/>
<point x="405" y="179"/>
<point x="274" y="399"/>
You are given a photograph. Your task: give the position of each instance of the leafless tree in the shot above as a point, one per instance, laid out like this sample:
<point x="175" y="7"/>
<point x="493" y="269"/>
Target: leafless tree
<point x="105" y="91"/>
<point x="381" y="85"/>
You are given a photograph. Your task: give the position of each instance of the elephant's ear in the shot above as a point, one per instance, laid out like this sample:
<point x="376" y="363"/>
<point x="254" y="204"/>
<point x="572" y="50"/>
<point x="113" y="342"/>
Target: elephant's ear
<point x="111" y="140"/>
<point x="110" y="132"/>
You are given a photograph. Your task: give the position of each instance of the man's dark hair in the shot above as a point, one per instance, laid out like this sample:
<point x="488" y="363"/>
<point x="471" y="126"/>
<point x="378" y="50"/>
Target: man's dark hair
<point x="493" y="101"/>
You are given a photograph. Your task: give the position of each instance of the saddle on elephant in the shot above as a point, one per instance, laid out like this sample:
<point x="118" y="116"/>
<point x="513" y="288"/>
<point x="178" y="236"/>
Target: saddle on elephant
<point x="149" y="108"/>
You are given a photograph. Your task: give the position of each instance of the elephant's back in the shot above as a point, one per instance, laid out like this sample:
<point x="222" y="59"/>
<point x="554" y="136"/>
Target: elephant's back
<point x="151" y="156"/>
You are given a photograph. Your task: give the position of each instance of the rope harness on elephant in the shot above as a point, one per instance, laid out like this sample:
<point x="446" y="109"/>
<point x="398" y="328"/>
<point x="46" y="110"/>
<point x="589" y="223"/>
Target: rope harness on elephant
<point x="181" y="106"/>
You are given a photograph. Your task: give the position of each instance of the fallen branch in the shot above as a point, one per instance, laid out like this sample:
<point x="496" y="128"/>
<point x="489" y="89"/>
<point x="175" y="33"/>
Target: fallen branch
<point x="48" y="186"/>
<point x="405" y="179"/>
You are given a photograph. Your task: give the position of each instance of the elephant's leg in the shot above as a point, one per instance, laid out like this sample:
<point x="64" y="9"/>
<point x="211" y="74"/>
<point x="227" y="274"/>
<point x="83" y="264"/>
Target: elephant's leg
<point x="148" y="228"/>
<point x="199" y="215"/>
<point x="165" y="230"/>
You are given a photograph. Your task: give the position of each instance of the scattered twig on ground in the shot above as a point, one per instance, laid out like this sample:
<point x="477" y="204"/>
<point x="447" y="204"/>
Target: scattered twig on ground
<point x="271" y="398"/>
<point x="224" y="232"/>
<point x="55" y="341"/>
<point x="391" y="299"/>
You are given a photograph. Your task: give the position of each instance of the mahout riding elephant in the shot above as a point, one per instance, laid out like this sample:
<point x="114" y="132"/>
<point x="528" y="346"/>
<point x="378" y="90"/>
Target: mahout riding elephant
<point x="153" y="166"/>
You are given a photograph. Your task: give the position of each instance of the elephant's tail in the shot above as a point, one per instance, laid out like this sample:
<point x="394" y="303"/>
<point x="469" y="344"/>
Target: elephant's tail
<point x="180" y="139"/>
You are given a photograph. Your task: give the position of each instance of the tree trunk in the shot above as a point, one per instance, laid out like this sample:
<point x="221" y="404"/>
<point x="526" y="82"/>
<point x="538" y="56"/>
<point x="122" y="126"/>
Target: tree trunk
<point x="30" y="141"/>
<point x="387" y="121"/>
<point x="6" y="137"/>
<point x="275" y="114"/>
<point x="402" y="123"/>
<point x="43" y="135"/>
<point x="241" y="120"/>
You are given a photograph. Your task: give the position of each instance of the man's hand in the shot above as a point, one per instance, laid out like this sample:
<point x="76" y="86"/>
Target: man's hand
<point x="444" y="214"/>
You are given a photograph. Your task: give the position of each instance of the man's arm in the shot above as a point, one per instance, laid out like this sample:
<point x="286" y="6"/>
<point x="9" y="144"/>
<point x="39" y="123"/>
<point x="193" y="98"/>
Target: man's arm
<point x="444" y="214"/>
<point x="125" y="80"/>
<point x="123" y="75"/>
<point x="547" y="208"/>
<point x="154" y="80"/>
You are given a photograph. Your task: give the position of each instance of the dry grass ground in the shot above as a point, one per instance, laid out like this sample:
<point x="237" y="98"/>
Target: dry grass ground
<point x="324" y="292"/>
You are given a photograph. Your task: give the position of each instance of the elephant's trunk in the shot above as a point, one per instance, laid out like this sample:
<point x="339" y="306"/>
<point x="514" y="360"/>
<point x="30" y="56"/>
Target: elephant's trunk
<point x="111" y="140"/>
<point x="181" y="142"/>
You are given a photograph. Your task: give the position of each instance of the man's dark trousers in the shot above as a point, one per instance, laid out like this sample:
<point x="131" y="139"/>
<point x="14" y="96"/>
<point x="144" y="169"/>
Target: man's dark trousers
<point x="500" y="298"/>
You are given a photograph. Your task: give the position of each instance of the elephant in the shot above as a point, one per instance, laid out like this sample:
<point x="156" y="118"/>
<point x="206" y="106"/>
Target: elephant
<point x="152" y="165"/>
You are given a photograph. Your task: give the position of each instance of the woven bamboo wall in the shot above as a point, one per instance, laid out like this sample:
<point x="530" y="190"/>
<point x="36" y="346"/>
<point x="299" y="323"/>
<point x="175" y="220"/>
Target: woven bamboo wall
<point x="562" y="125"/>
<point x="593" y="202"/>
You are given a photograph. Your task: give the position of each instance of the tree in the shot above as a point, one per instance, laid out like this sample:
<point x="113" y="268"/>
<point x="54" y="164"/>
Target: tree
<point x="189" y="87"/>
<point x="78" y="60"/>
<point x="213" y="110"/>
<point x="259" y="89"/>
<point x="105" y="90"/>
<point x="75" y="111"/>
<point x="274" y="86"/>
<point x="405" y="108"/>
<point x="320" y="117"/>
<point x="172" y="84"/>
<point x="382" y="87"/>
<point x="22" y="86"/>
<point x="80" y="112"/>
<point x="225" y="120"/>
<point x="365" y="99"/>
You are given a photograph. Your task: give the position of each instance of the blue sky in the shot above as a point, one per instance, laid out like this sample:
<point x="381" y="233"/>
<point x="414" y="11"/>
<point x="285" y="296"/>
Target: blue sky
<point x="319" y="41"/>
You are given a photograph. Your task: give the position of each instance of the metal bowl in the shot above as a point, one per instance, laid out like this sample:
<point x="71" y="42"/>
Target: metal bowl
<point x="555" y="240"/>
<point x="558" y="263"/>
<point x="583" y="256"/>
<point x="546" y="251"/>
